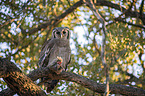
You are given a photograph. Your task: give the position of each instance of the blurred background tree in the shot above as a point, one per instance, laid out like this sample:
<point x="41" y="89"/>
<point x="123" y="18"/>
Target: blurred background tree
<point x="26" y="24"/>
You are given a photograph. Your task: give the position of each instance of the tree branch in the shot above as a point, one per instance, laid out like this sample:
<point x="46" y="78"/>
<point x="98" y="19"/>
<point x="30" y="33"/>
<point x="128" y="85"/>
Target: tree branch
<point x="90" y="84"/>
<point x="130" y="13"/>
<point x="11" y="19"/>
<point x="17" y="81"/>
<point x="136" y="25"/>
<point x="8" y="71"/>
<point x="55" y="21"/>
<point x="24" y="46"/>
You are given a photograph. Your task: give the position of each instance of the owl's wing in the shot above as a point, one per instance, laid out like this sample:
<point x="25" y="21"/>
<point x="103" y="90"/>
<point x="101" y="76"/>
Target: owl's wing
<point x="45" y="52"/>
<point x="67" y="63"/>
<point x="67" y="56"/>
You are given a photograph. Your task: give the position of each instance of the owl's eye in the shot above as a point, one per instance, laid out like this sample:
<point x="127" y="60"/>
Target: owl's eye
<point x="58" y="33"/>
<point x="64" y="32"/>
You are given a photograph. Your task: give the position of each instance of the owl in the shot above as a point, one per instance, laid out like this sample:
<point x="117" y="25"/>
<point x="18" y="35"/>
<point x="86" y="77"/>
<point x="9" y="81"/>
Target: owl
<point x="57" y="46"/>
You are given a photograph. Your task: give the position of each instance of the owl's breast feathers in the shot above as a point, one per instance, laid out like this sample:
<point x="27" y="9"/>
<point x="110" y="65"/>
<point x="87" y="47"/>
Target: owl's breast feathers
<point x="61" y="42"/>
<point x="61" y="49"/>
<point x="53" y="48"/>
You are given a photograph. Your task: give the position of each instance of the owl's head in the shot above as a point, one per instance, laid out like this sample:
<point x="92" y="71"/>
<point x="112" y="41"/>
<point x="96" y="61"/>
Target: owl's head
<point x="61" y="33"/>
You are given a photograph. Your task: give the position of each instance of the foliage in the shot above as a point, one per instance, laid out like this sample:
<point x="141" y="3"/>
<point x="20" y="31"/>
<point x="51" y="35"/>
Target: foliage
<point x="125" y="40"/>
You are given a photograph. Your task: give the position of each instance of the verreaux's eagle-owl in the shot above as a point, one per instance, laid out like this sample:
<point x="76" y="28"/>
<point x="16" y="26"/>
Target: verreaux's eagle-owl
<point x="58" y="45"/>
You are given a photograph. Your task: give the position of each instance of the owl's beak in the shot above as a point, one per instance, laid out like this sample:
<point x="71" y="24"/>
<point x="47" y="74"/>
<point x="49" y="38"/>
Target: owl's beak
<point x="61" y="35"/>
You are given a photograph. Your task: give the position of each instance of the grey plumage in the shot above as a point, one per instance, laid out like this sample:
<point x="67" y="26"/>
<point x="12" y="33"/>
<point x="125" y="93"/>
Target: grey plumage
<point x="58" y="45"/>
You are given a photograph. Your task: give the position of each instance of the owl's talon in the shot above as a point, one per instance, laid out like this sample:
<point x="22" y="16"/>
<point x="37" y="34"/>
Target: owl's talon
<point x="59" y="62"/>
<point x="56" y="65"/>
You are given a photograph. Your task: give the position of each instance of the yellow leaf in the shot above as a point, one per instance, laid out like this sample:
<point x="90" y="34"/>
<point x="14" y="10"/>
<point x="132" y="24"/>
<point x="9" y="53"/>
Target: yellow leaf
<point x="9" y="35"/>
<point x="140" y="85"/>
<point x="31" y="58"/>
<point x="20" y="47"/>
<point x="40" y="5"/>
<point x="9" y="27"/>
<point x="80" y="71"/>
<point x="6" y="32"/>
<point x="20" y="54"/>
<point x="23" y="50"/>
<point x="26" y="61"/>
<point x="28" y="68"/>
<point x="16" y="55"/>
<point x="102" y="66"/>
<point x="135" y="61"/>
<point x="28" y="49"/>
<point x="34" y="58"/>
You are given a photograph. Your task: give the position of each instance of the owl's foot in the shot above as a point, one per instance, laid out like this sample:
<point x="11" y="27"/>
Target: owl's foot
<point x="59" y="62"/>
<point x="56" y="66"/>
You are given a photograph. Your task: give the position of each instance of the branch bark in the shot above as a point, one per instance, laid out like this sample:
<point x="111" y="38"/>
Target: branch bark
<point x="7" y="69"/>
<point x="17" y="81"/>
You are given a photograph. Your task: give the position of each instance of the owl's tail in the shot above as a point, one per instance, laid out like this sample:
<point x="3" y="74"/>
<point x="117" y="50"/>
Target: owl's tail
<point x="50" y="84"/>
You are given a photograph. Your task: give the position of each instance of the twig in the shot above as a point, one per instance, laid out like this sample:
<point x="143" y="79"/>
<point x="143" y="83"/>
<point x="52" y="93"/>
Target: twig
<point x="96" y="13"/>
<point x="141" y="8"/>
<point x="136" y="25"/>
<point x="76" y="16"/>
<point x="49" y="29"/>
<point x="132" y="14"/>
<point x="17" y="16"/>
<point x="127" y="10"/>
<point x="56" y="20"/>
<point x="95" y="45"/>
<point x="23" y="47"/>
<point x="132" y="77"/>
